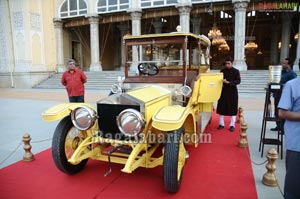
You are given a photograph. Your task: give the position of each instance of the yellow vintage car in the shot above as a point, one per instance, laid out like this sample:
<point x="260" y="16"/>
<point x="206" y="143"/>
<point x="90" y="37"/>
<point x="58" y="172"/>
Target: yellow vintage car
<point x="162" y="104"/>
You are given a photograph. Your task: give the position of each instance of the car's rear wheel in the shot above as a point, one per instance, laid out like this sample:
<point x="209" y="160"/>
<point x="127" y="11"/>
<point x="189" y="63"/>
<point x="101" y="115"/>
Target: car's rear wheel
<point x="174" y="160"/>
<point x="66" y="139"/>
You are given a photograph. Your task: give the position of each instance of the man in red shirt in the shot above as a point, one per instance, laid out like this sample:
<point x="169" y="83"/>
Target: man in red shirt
<point x="73" y="79"/>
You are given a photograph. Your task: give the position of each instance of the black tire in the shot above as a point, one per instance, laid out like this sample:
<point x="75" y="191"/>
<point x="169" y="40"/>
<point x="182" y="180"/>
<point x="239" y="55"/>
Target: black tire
<point x="172" y="178"/>
<point x="64" y="129"/>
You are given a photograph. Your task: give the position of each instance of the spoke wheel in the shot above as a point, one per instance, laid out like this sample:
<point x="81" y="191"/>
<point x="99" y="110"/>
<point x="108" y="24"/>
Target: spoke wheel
<point x="148" y="69"/>
<point x="153" y="70"/>
<point x="174" y="160"/>
<point x="65" y="141"/>
<point x="143" y="68"/>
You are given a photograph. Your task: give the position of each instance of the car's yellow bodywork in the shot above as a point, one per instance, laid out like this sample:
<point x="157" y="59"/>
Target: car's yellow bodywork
<point x="153" y="97"/>
<point x="170" y="118"/>
<point x="161" y="114"/>
<point x="60" y="111"/>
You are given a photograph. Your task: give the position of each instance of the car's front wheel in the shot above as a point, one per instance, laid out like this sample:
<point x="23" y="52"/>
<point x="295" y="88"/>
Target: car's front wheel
<point x="66" y="139"/>
<point x="174" y="160"/>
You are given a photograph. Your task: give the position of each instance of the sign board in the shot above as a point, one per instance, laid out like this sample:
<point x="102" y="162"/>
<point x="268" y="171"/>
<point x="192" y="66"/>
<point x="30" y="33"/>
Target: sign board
<point x="279" y="6"/>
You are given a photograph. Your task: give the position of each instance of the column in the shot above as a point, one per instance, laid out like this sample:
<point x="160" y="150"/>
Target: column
<point x="184" y="9"/>
<point x="95" y="50"/>
<point x="116" y="49"/>
<point x="58" y="26"/>
<point x="184" y="15"/>
<point x="297" y="50"/>
<point x="157" y="24"/>
<point x="136" y="30"/>
<point x="240" y="7"/>
<point x="196" y="21"/>
<point x="285" y="36"/>
<point x="123" y="29"/>
<point x="136" y="22"/>
<point x="274" y="44"/>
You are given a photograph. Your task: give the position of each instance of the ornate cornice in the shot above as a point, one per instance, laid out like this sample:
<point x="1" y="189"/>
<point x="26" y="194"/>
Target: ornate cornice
<point x="93" y="19"/>
<point x="240" y="5"/>
<point x="186" y="9"/>
<point x="58" y="23"/>
<point x="136" y="15"/>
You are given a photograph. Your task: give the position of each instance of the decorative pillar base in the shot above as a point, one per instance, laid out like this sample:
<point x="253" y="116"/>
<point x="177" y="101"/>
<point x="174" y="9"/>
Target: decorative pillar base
<point x="60" y="68"/>
<point x="95" y="67"/>
<point x="240" y="65"/>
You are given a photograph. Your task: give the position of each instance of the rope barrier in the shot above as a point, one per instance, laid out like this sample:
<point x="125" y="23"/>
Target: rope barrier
<point x="258" y="164"/>
<point x="248" y="154"/>
<point x="278" y="185"/>
<point x="41" y="140"/>
<point x="10" y="154"/>
<point x="262" y="163"/>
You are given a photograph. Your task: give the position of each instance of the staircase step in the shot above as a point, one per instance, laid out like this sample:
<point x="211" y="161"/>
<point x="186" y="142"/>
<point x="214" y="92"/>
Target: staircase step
<point x="252" y="81"/>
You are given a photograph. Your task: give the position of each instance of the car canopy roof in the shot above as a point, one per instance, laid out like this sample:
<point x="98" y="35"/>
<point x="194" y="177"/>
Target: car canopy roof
<point x="163" y="36"/>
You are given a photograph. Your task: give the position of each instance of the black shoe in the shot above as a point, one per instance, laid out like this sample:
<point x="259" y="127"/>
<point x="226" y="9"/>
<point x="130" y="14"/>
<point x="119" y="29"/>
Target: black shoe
<point x="275" y="129"/>
<point x="232" y="129"/>
<point x="220" y="127"/>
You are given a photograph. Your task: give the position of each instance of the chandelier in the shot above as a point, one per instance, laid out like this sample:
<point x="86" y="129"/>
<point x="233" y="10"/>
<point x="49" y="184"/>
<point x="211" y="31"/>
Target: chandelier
<point x="214" y="32"/>
<point x="224" y="46"/>
<point x="279" y="45"/>
<point x="218" y="41"/>
<point x="251" y="45"/>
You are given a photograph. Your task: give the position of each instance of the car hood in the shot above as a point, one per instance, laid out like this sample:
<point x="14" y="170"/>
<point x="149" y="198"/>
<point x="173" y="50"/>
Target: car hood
<point x="149" y="93"/>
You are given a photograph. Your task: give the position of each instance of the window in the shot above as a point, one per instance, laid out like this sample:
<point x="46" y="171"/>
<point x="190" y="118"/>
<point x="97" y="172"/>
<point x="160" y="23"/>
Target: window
<point x="112" y="5"/>
<point x="157" y="3"/>
<point x="72" y="8"/>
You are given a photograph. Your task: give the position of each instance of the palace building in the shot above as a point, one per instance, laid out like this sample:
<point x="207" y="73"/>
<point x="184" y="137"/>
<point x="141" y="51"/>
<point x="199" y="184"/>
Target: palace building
<point x="38" y="36"/>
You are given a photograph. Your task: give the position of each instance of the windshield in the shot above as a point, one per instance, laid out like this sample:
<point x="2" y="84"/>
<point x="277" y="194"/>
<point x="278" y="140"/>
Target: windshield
<point x="160" y="55"/>
<point x="164" y="56"/>
<point x="165" y="59"/>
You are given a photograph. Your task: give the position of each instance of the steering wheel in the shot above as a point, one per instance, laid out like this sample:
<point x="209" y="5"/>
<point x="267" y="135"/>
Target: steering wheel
<point x="147" y="69"/>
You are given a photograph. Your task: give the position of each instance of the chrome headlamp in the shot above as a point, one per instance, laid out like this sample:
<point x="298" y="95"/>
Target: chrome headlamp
<point x="83" y="117"/>
<point x="130" y="122"/>
<point x="116" y="88"/>
<point x="185" y="90"/>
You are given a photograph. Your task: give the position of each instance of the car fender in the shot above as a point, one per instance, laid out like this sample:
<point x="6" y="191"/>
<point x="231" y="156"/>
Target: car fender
<point x="59" y="111"/>
<point x="170" y="118"/>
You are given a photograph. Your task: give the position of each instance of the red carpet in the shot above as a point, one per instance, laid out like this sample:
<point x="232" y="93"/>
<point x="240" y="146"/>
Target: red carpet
<point x="216" y="170"/>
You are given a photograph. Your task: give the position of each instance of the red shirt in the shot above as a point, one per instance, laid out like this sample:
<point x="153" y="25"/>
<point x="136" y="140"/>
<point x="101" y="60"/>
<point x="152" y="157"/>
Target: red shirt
<point x="74" y="82"/>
